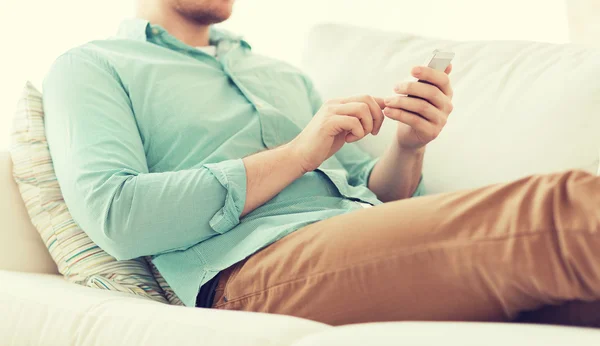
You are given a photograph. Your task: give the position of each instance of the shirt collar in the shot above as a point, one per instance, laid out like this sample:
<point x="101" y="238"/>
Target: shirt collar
<point x="140" y="29"/>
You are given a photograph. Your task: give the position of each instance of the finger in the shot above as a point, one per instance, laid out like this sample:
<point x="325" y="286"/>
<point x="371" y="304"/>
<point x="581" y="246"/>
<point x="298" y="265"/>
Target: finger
<point x="358" y="110"/>
<point x="378" y="118"/>
<point x="380" y="102"/>
<point x="417" y="106"/>
<point x="448" y="69"/>
<point x="438" y="78"/>
<point x="374" y="106"/>
<point x="349" y="124"/>
<point x="424" y="129"/>
<point x="427" y="92"/>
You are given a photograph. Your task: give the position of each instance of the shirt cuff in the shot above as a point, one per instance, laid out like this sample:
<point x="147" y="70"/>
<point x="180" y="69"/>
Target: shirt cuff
<point x="232" y="176"/>
<point x="420" y="191"/>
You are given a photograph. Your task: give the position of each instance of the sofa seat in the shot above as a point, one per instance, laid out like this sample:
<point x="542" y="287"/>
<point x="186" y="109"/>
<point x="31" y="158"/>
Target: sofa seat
<point x="452" y="334"/>
<point x="45" y="309"/>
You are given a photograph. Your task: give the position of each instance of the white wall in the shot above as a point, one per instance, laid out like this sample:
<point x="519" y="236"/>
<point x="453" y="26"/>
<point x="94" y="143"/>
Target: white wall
<point x="34" y="32"/>
<point x="584" y="21"/>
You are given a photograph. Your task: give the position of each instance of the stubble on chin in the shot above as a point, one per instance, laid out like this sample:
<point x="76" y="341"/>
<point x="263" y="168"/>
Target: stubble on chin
<point x="204" y="13"/>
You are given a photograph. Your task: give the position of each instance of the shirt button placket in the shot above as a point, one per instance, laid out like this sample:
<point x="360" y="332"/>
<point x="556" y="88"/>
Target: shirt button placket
<point x="258" y="105"/>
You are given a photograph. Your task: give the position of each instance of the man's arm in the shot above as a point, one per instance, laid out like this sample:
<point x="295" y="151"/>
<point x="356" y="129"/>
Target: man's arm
<point x="268" y="173"/>
<point x="334" y="126"/>
<point x="100" y="163"/>
<point x="397" y="173"/>
<point x="420" y="120"/>
<point x="336" y="123"/>
<point x="101" y="166"/>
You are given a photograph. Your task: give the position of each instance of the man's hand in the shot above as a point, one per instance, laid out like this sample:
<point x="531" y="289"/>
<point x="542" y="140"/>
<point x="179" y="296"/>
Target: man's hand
<point x="422" y="117"/>
<point x="338" y="122"/>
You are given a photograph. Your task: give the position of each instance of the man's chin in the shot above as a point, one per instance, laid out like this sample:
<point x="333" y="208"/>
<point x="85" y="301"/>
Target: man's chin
<point x="216" y="20"/>
<point x="222" y="17"/>
<point x="209" y="19"/>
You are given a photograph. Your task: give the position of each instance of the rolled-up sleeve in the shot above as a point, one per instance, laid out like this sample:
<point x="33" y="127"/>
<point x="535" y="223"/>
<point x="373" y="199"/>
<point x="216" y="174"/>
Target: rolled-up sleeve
<point x="232" y="176"/>
<point x="100" y="163"/>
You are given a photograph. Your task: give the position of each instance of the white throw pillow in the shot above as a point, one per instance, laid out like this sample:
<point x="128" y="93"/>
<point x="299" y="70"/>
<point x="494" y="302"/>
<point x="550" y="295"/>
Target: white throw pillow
<point x="521" y="108"/>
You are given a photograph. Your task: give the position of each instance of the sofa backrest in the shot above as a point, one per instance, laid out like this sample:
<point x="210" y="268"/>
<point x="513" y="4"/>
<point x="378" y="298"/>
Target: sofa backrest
<point x="521" y="108"/>
<point x="21" y="248"/>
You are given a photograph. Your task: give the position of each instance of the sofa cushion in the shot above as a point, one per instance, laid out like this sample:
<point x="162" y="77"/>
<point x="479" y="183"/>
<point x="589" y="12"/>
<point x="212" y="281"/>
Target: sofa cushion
<point x="78" y="258"/>
<point x="21" y="248"/>
<point x="521" y="108"/>
<point x="452" y="334"/>
<point x="68" y="315"/>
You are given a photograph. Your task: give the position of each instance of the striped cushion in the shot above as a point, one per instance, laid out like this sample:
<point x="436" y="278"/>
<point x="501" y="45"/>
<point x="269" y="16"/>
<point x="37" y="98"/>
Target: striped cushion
<point x="78" y="258"/>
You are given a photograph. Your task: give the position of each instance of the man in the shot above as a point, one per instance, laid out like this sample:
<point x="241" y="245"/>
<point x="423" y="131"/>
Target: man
<point x="174" y="140"/>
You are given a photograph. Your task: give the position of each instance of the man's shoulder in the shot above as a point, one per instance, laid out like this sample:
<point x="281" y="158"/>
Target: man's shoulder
<point x="88" y="58"/>
<point x="86" y="50"/>
<point x="102" y="53"/>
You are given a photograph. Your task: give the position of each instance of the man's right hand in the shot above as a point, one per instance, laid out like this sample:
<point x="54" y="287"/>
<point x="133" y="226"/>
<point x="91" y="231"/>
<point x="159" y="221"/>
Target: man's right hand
<point x="338" y="122"/>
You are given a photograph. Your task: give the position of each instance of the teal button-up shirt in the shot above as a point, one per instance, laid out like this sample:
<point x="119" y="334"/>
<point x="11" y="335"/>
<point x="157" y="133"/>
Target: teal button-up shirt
<point x="147" y="135"/>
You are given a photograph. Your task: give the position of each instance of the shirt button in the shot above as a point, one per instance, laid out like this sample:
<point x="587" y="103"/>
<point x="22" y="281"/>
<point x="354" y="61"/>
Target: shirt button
<point x="155" y="31"/>
<point x="258" y="104"/>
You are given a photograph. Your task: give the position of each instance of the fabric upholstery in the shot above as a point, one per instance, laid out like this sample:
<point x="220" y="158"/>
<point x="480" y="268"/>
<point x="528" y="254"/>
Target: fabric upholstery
<point x="21" y="248"/>
<point x="71" y="315"/>
<point x="41" y="309"/>
<point x="452" y="334"/>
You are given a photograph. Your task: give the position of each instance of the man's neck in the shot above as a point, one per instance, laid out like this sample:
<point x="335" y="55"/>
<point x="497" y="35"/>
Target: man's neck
<point x="185" y="30"/>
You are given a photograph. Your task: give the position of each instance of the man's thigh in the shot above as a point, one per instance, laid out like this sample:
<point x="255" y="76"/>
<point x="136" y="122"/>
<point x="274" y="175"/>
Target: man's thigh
<point x="472" y="255"/>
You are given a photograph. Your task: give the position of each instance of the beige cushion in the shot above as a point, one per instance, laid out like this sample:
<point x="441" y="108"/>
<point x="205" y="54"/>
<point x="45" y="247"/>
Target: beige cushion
<point x="21" y="248"/>
<point x="78" y="258"/>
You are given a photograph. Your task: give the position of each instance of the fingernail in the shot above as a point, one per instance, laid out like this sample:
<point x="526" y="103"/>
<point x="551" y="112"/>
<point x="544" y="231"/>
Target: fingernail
<point x="417" y="71"/>
<point x="387" y="100"/>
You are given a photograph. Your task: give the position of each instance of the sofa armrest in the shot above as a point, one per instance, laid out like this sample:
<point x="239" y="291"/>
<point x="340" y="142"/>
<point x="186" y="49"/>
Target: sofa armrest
<point x="41" y="308"/>
<point x="21" y="247"/>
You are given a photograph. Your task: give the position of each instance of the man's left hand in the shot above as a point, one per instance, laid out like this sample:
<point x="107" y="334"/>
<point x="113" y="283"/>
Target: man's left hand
<point x="421" y="118"/>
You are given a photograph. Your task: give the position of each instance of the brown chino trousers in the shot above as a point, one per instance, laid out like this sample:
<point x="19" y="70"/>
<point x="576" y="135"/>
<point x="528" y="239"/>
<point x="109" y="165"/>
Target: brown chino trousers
<point x="479" y="255"/>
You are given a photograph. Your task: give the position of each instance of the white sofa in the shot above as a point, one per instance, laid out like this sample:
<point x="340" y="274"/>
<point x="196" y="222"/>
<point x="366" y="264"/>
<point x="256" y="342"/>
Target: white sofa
<point x="508" y="123"/>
